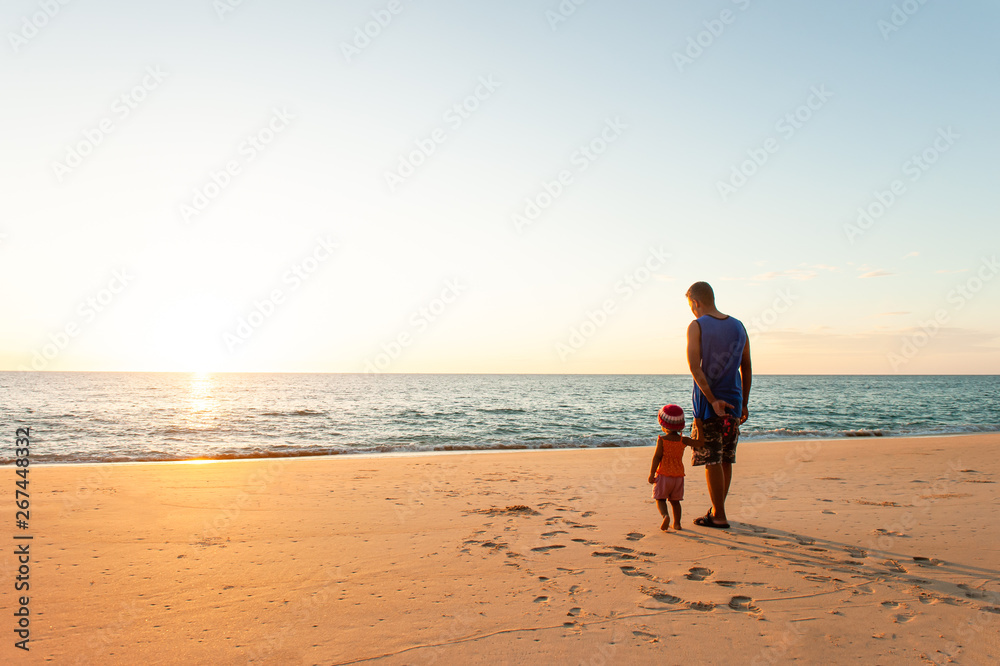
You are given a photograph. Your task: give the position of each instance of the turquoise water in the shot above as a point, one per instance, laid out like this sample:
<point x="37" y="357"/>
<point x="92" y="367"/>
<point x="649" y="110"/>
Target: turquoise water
<point x="90" y="417"/>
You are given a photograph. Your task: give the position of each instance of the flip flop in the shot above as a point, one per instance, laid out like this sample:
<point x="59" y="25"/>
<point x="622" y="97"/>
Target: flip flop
<point x="706" y="521"/>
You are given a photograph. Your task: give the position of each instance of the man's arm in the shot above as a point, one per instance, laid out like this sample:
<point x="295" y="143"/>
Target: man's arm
<point x="746" y="376"/>
<point x="694" y="364"/>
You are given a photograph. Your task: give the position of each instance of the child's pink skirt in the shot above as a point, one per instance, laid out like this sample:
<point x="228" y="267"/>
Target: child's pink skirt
<point x="668" y="488"/>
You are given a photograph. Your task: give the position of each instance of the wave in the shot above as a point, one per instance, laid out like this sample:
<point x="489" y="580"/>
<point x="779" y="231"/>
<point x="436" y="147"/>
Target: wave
<point x="292" y="450"/>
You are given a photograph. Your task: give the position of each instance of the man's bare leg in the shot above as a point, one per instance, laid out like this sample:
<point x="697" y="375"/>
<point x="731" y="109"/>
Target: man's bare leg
<point x="727" y="472"/>
<point x="717" y="489"/>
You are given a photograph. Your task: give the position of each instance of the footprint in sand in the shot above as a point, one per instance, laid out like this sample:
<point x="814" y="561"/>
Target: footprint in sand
<point x="545" y="549"/>
<point x="634" y="536"/>
<point x="727" y="583"/>
<point x="573" y="612"/>
<point x="891" y="604"/>
<point x="926" y="561"/>
<point x="701" y="605"/>
<point x="971" y="592"/>
<point x="541" y="600"/>
<point x="859" y="553"/>
<point x="632" y="571"/>
<point x="651" y="638"/>
<point x="743" y="603"/>
<point x="831" y="512"/>
<point x="900" y="618"/>
<point x="660" y="595"/>
<point x="552" y="534"/>
<point x="698" y="573"/>
<point x="805" y="541"/>
<point x="614" y="555"/>
<point x="895" y="566"/>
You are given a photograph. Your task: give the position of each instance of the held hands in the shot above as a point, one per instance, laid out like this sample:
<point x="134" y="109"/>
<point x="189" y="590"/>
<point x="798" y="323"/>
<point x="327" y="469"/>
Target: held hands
<point x="745" y="415"/>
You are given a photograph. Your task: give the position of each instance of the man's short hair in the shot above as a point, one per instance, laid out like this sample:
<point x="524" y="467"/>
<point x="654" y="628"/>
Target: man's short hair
<point x="701" y="292"/>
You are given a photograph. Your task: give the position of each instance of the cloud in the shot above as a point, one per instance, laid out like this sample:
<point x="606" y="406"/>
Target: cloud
<point x="875" y="273"/>
<point x="793" y="273"/>
<point x="912" y="254"/>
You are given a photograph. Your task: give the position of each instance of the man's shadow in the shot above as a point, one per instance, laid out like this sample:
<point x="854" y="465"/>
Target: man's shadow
<point x="871" y="565"/>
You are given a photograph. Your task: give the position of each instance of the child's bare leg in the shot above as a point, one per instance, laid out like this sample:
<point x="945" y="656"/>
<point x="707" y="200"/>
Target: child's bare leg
<point x="676" y="504"/>
<point x="662" y="506"/>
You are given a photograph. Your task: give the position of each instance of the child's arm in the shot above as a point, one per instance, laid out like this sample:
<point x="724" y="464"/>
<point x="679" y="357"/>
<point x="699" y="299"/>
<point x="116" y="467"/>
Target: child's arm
<point x="694" y="443"/>
<point x="657" y="457"/>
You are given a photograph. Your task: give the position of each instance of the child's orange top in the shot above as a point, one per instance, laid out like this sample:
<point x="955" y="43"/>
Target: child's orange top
<point x="672" y="463"/>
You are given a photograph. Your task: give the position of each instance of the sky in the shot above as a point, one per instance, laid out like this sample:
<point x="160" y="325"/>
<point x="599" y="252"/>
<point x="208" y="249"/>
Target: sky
<point x="523" y="187"/>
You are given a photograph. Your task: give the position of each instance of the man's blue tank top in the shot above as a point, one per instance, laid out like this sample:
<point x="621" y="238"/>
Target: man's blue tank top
<point x="722" y="342"/>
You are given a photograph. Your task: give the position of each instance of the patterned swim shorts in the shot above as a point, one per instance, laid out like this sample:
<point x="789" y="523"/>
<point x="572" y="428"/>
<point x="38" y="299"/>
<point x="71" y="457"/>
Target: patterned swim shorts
<point x="721" y="434"/>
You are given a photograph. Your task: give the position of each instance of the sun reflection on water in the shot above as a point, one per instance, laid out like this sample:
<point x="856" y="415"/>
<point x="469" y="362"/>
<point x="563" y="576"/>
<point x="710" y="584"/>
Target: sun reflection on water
<point x="202" y="406"/>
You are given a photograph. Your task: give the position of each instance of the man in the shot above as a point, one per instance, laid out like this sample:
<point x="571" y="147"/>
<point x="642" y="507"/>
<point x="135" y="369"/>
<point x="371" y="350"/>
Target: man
<point x="718" y="353"/>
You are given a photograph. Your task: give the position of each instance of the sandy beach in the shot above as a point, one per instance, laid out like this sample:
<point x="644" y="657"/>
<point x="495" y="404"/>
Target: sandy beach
<point x="876" y="550"/>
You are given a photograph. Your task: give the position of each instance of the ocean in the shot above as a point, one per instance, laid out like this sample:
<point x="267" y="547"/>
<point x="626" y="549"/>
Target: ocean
<point x="78" y="417"/>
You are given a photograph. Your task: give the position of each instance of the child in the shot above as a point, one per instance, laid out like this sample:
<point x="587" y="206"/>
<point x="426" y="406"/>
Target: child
<point x="667" y="470"/>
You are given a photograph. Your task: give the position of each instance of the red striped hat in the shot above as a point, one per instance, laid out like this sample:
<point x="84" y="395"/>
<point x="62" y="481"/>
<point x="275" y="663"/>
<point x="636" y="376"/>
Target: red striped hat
<point x="671" y="417"/>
